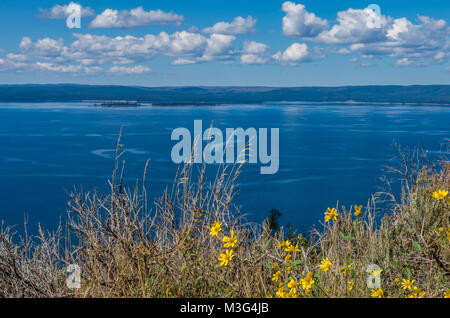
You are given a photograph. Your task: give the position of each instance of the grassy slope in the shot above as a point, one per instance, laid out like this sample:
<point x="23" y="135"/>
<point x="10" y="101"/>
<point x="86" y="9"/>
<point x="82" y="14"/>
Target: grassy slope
<point x="127" y="249"/>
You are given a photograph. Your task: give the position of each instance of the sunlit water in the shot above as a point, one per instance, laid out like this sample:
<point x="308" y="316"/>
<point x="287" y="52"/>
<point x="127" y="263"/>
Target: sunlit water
<point x="328" y="152"/>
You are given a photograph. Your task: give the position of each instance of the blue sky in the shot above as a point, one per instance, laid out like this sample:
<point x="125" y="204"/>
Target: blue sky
<point x="273" y="43"/>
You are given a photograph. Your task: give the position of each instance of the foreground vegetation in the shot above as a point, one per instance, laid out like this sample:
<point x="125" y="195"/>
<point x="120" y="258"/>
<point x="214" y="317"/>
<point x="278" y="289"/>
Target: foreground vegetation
<point x="193" y="242"/>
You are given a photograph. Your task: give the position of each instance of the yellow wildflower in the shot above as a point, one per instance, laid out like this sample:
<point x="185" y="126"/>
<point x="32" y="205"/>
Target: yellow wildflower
<point x="346" y="269"/>
<point x="274" y="265"/>
<point x="407" y="284"/>
<point x="281" y="293"/>
<point x="291" y="248"/>
<point x="358" y="209"/>
<point x="440" y="194"/>
<point x="289" y="268"/>
<point x="226" y="258"/>
<point x="276" y="276"/>
<point x="285" y="243"/>
<point x="288" y="258"/>
<point x="325" y="265"/>
<point x="417" y="293"/>
<point x="447" y="293"/>
<point x="331" y="214"/>
<point x="292" y="285"/>
<point x="350" y="285"/>
<point x="216" y="228"/>
<point x="397" y="280"/>
<point x="292" y="293"/>
<point x="230" y="241"/>
<point x="377" y="293"/>
<point x="307" y="282"/>
<point x="441" y="229"/>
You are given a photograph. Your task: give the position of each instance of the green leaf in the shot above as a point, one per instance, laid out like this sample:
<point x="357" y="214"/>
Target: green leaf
<point x="346" y="237"/>
<point x="297" y="262"/>
<point x="348" y="258"/>
<point x="408" y="273"/>
<point x="266" y="245"/>
<point x="355" y="229"/>
<point x="417" y="246"/>
<point x="151" y="281"/>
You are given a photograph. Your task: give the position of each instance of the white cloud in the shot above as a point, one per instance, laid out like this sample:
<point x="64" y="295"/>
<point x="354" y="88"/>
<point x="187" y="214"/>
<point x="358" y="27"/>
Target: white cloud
<point x="293" y="54"/>
<point x="404" y="62"/>
<point x="343" y="51"/>
<point x="430" y="33"/>
<point x="88" y="53"/>
<point x="255" y="53"/>
<point x="238" y="26"/>
<point x="219" y="44"/>
<point x="62" y="11"/>
<point x="356" y="26"/>
<point x="25" y="43"/>
<point x="399" y="26"/>
<point x="77" y="69"/>
<point x="416" y="42"/>
<point x="134" y="18"/>
<point x="411" y="44"/>
<point x="138" y="69"/>
<point x="182" y="61"/>
<point x="299" y="22"/>
<point x="370" y="34"/>
<point x="216" y="47"/>
<point x="16" y="57"/>
<point x="186" y="42"/>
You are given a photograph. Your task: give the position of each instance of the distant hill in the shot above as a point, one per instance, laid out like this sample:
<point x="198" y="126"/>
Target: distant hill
<point x="437" y="94"/>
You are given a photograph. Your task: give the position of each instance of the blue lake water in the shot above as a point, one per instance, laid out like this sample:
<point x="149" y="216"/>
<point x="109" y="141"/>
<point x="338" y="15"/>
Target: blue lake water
<point x="328" y="152"/>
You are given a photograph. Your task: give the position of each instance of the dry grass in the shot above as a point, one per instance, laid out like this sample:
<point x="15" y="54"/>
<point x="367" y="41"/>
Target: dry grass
<point x="128" y="248"/>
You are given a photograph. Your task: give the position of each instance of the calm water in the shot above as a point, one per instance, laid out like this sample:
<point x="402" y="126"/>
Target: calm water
<point x="327" y="152"/>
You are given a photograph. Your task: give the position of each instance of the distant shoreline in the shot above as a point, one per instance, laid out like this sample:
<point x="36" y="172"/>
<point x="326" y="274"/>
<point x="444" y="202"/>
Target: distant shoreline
<point x="201" y="104"/>
<point x="109" y="95"/>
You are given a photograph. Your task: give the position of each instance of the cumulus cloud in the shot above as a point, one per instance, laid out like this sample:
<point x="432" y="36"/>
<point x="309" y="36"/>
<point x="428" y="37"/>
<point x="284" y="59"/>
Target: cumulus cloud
<point x="356" y="26"/>
<point x="299" y="22"/>
<point x="293" y="54"/>
<point x="369" y="34"/>
<point x="411" y="44"/>
<point x="62" y="11"/>
<point x="255" y="53"/>
<point x="138" y="17"/>
<point x="238" y="26"/>
<point x="360" y="34"/>
<point x="90" y="53"/>
<point x="216" y="47"/>
<point x="46" y="47"/>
